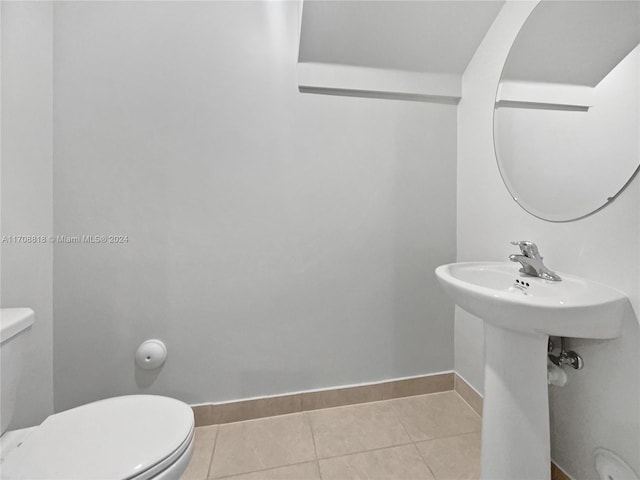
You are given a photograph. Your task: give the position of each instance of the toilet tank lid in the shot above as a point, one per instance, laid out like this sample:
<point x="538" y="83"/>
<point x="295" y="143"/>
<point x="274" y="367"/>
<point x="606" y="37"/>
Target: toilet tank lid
<point x="13" y="321"/>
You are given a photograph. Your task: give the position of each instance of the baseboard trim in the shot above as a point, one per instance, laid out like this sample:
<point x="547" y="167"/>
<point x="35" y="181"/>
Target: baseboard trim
<point x="558" y="473"/>
<point x="236" y="411"/>
<point x="468" y="394"/>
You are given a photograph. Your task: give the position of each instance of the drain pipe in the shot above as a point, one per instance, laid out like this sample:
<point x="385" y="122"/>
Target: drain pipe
<point x="556" y="375"/>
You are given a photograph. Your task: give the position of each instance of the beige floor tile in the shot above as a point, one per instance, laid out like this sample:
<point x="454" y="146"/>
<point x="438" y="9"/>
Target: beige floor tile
<point x="453" y="458"/>
<point x="395" y="463"/>
<point x="301" y="471"/>
<point x="260" y="444"/>
<point x="343" y="430"/>
<point x="204" y="441"/>
<point x="437" y="415"/>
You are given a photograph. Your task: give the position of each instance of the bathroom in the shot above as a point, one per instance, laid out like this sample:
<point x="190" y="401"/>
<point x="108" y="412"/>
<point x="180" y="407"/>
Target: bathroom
<point x="278" y="182"/>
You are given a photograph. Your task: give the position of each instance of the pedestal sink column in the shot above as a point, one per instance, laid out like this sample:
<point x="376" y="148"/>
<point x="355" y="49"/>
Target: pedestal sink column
<point x="519" y="311"/>
<point x="515" y="423"/>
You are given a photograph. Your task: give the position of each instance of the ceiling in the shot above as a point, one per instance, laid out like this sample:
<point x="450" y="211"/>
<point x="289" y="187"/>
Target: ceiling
<point x="429" y="36"/>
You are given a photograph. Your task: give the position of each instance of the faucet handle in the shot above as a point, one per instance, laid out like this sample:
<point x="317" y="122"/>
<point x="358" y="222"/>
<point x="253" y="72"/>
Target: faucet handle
<point x="528" y="249"/>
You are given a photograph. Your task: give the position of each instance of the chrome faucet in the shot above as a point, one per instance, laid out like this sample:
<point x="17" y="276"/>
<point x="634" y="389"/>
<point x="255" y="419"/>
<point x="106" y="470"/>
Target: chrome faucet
<point x="531" y="261"/>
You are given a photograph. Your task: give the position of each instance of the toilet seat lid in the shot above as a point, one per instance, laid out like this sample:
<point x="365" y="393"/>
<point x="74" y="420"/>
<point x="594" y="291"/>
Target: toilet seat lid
<point x="117" y="438"/>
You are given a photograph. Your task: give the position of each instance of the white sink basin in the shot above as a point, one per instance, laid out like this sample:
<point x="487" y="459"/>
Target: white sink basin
<point x="503" y="296"/>
<point x="519" y="314"/>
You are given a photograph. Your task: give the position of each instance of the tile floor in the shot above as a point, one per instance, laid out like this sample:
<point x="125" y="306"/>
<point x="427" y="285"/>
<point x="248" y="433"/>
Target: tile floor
<point x="425" y="437"/>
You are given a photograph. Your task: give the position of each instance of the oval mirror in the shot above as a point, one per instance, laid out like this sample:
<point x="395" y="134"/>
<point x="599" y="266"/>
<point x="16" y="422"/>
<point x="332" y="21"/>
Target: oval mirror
<point x="567" y="111"/>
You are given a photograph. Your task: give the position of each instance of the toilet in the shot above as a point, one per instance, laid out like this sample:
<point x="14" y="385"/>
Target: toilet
<point x="133" y="437"/>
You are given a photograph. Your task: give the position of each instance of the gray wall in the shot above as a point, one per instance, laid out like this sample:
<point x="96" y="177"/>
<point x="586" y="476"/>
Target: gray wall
<point x="600" y="405"/>
<point x="278" y="241"/>
<point x="26" y="202"/>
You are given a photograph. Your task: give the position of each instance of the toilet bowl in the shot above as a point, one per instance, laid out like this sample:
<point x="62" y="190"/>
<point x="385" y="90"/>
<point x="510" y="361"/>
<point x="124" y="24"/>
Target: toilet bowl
<point x="136" y="437"/>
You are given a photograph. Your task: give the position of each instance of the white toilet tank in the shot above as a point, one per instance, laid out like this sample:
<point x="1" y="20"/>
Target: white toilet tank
<point x="15" y="324"/>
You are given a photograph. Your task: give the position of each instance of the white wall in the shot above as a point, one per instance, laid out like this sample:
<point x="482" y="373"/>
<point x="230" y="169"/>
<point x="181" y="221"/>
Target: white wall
<point x="26" y="203"/>
<point x="599" y="406"/>
<point x="278" y="241"/>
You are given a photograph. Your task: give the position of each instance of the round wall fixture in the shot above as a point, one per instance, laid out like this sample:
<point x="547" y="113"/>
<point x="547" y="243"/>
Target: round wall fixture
<point x="611" y="467"/>
<point x="151" y="354"/>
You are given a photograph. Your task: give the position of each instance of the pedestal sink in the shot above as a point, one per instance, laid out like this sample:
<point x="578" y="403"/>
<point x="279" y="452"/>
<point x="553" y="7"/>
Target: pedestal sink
<point x="519" y="313"/>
